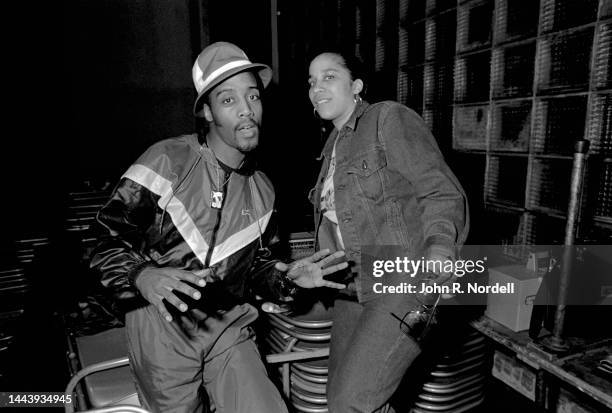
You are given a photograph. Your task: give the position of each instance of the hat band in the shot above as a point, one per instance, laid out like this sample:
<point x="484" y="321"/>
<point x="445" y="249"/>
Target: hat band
<point x="222" y="69"/>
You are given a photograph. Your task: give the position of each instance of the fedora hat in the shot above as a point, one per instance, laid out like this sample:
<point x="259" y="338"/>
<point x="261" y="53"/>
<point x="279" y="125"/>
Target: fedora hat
<point x="218" y="62"/>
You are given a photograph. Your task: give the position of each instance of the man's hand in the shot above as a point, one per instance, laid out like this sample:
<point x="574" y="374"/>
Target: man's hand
<point x="155" y="284"/>
<point x="309" y="272"/>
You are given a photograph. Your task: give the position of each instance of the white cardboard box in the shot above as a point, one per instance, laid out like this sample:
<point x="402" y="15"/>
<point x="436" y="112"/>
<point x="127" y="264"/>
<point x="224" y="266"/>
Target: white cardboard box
<point x="513" y="310"/>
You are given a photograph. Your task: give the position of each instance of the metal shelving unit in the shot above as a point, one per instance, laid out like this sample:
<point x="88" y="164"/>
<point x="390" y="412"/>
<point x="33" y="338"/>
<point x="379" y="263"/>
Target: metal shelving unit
<point x="513" y="83"/>
<point x="526" y="89"/>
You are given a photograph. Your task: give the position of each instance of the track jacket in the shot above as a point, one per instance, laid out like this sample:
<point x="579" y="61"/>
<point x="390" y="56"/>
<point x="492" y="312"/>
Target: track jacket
<point x="160" y="214"/>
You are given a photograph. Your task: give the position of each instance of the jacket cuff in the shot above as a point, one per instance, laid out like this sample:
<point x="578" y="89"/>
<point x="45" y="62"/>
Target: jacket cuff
<point x="288" y="289"/>
<point x="135" y="271"/>
<point x="442" y="247"/>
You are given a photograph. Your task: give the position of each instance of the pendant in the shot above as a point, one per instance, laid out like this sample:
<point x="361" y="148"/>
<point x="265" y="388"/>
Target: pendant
<point x="216" y="199"/>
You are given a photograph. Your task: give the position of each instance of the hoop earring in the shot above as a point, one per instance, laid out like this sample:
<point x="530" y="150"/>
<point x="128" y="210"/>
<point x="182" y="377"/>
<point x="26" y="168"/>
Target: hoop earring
<point x="357" y="98"/>
<point x="314" y="112"/>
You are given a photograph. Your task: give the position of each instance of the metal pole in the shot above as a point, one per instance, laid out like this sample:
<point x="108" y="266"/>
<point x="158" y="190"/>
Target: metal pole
<point x="274" y="13"/>
<point x="556" y="342"/>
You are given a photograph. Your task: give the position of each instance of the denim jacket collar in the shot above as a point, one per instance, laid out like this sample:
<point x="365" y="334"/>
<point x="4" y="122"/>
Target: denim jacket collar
<point x="360" y="108"/>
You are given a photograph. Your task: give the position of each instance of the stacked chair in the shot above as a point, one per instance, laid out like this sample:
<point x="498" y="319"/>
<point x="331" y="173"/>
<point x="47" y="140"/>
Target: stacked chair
<point x="14" y="282"/>
<point x="13" y="289"/>
<point x="83" y="205"/>
<point x="300" y="344"/>
<point x="118" y="409"/>
<point x="26" y="248"/>
<point x="15" y="285"/>
<point x="101" y="375"/>
<point x="297" y="345"/>
<point x="297" y="348"/>
<point x="456" y="383"/>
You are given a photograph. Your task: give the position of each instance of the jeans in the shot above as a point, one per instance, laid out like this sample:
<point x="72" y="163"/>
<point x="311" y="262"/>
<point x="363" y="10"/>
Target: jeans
<point x="369" y="354"/>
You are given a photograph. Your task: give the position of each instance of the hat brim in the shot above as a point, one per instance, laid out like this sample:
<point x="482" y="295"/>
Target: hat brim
<point x="264" y="72"/>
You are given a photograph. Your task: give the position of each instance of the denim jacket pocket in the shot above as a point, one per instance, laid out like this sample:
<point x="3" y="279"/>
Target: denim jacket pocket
<point x="367" y="169"/>
<point x="368" y="162"/>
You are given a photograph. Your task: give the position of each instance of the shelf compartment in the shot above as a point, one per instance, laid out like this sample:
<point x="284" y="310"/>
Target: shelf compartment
<point x="440" y="37"/>
<point x="472" y="74"/>
<point x="603" y="57"/>
<point x="412" y="39"/>
<point x="516" y="19"/>
<point x="506" y="180"/>
<point x="380" y="54"/>
<point x="512" y="71"/>
<point x="439" y="120"/>
<point x="381" y="11"/>
<point x="412" y="10"/>
<point x="511" y="126"/>
<point x="563" y="62"/>
<point x="605" y="9"/>
<point x="550" y="183"/>
<point x="544" y="230"/>
<point x="359" y="26"/>
<point x="438" y="81"/>
<point x="600" y="125"/>
<point x="470" y="127"/>
<point x="410" y="88"/>
<point x="564" y="14"/>
<point x="474" y="25"/>
<point x="603" y="204"/>
<point x="559" y="122"/>
<point x="437" y="6"/>
<point x="403" y="48"/>
<point x="509" y="227"/>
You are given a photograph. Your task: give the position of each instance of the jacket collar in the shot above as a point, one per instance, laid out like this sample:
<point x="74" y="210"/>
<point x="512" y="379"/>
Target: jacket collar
<point x="359" y="110"/>
<point x="247" y="168"/>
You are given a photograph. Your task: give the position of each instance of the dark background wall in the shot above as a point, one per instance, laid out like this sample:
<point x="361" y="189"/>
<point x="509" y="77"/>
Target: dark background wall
<point x="109" y="78"/>
<point x="117" y="78"/>
<point x="128" y="83"/>
<point x="136" y="57"/>
<point x="124" y="82"/>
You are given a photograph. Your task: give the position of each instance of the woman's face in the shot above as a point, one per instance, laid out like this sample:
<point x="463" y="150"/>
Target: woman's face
<point x="332" y="91"/>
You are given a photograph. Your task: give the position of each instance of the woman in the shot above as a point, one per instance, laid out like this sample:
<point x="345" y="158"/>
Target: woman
<point x="383" y="190"/>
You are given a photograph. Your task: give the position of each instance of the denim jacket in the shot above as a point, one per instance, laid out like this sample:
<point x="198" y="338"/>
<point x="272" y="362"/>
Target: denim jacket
<point x="392" y="187"/>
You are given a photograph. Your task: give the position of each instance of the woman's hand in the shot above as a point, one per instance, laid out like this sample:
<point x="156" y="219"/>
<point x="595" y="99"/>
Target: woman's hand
<point x="444" y="277"/>
<point x="309" y="272"/>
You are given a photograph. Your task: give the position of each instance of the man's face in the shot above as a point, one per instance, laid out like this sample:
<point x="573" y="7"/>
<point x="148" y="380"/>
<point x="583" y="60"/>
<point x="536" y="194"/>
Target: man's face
<point x="234" y="112"/>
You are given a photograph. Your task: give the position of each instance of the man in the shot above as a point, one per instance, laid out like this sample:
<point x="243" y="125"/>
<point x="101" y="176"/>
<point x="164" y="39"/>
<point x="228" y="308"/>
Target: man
<point x="186" y="248"/>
